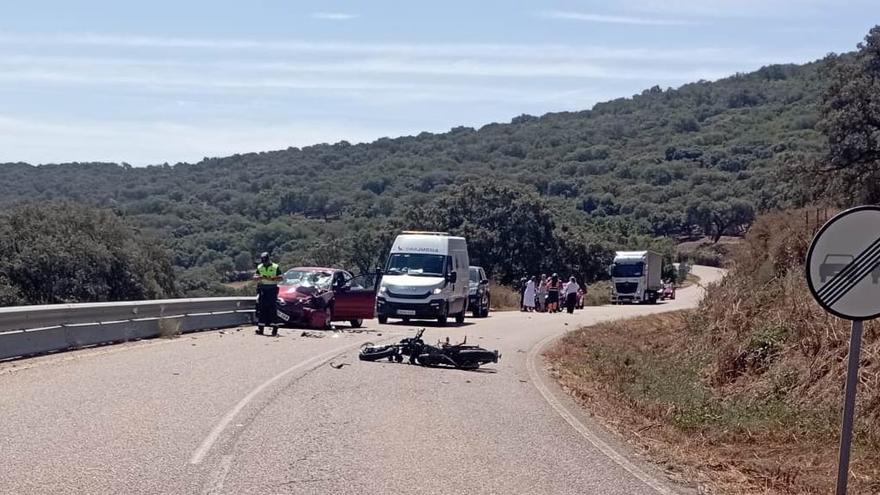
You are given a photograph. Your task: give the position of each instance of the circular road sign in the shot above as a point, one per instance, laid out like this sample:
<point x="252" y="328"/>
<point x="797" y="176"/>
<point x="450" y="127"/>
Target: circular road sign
<point x="843" y="264"/>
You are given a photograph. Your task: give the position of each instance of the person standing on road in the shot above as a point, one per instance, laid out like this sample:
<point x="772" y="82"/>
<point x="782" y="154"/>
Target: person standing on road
<point x="571" y="294"/>
<point x="542" y="293"/>
<point x="553" y="287"/>
<point x="529" y="295"/>
<point x="522" y="293"/>
<point x="268" y="275"/>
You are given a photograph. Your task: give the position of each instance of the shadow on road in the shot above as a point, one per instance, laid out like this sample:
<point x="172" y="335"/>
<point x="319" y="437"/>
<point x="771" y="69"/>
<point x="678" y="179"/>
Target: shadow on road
<point x="429" y="324"/>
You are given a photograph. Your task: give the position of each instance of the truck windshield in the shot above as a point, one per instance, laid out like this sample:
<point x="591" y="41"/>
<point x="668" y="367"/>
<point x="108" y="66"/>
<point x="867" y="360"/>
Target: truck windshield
<point x="627" y="269"/>
<point x="416" y="264"/>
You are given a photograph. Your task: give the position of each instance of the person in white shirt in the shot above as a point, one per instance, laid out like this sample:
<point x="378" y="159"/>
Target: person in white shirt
<point x="529" y="295"/>
<point x="541" y="289"/>
<point x="571" y="294"/>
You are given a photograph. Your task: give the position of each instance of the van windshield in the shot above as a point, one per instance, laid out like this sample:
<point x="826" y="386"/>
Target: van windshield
<point x="627" y="269"/>
<point x="416" y="264"/>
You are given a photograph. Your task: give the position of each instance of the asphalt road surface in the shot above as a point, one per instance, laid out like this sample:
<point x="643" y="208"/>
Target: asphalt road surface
<point x="232" y="412"/>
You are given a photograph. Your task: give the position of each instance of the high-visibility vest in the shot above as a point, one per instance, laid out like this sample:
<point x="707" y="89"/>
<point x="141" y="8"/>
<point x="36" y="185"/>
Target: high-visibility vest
<point x="267" y="273"/>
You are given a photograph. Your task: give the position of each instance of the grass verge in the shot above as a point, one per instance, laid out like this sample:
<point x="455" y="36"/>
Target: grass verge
<point x="645" y="379"/>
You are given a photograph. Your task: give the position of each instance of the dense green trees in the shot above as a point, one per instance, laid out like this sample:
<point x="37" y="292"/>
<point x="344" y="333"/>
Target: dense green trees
<point x="66" y="252"/>
<point x="850" y="112"/>
<point x="510" y="230"/>
<point x="554" y="192"/>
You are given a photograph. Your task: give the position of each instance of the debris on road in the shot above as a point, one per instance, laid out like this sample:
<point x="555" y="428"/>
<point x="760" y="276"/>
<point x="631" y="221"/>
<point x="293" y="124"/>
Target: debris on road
<point x="314" y="335"/>
<point x="338" y="366"/>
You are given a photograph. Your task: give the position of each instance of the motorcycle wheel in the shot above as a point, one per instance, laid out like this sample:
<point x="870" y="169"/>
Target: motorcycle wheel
<point x="475" y="356"/>
<point x="376" y="353"/>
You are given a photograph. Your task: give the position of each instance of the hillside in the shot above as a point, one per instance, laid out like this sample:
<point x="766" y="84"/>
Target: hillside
<point x="698" y="159"/>
<point x="743" y="394"/>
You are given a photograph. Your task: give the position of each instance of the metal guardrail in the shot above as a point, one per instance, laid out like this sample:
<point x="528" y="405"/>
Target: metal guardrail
<point x="29" y="330"/>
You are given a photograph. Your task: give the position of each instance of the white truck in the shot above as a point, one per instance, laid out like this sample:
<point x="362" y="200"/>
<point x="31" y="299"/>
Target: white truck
<point x="636" y="277"/>
<point x="426" y="277"/>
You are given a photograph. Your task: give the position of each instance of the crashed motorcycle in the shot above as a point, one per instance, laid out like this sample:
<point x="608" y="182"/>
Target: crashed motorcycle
<point x="461" y="356"/>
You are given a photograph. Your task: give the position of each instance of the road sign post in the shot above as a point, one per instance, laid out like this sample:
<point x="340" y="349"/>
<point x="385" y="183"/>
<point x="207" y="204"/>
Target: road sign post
<point x="843" y="274"/>
<point x="849" y="406"/>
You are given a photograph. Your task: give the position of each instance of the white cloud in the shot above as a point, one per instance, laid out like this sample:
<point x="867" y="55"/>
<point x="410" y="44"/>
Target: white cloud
<point x="434" y="50"/>
<point x="333" y="16"/>
<point x="145" y="143"/>
<point x="334" y="74"/>
<point x="613" y="19"/>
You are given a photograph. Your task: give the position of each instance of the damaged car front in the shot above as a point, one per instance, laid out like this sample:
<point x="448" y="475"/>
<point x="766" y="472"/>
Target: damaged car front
<point x="305" y="296"/>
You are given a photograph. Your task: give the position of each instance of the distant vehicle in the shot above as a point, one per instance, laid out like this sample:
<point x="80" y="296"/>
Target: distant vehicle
<point x="315" y="297"/>
<point x="478" y="292"/>
<point x="668" y="291"/>
<point x="635" y="277"/>
<point x="425" y="278"/>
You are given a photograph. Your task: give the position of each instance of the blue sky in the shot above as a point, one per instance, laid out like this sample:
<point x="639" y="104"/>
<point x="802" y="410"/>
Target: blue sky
<point x="168" y="81"/>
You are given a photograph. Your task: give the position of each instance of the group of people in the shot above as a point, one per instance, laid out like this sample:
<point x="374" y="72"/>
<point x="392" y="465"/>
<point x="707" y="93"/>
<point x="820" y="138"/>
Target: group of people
<point x="550" y="294"/>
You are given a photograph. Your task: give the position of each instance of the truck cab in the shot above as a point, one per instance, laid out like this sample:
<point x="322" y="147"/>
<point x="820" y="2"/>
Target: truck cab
<point x="426" y="277"/>
<point x="636" y="277"/>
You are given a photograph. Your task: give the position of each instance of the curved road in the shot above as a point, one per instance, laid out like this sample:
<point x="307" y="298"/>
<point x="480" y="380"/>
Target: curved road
<point x="231" y="412"/>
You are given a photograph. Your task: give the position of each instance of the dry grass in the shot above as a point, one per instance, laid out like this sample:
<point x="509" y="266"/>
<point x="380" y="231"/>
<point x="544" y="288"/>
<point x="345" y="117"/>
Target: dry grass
<point x="707" y="253"/>
<point x="169" y="328"/>
<point x="742" y="395"/>
<point x="598" y="293"/>
<point x="504" y="298"/>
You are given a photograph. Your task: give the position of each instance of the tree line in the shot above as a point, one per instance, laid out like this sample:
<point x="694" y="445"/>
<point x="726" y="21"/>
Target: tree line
<point x="552" y="193"/>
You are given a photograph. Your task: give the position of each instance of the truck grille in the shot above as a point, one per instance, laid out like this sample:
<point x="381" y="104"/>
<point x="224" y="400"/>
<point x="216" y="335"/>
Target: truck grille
<point x="626" y="287"/>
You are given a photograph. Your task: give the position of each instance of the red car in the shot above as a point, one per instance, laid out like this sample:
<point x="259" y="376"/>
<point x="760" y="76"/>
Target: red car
<point x="315" y="297"/>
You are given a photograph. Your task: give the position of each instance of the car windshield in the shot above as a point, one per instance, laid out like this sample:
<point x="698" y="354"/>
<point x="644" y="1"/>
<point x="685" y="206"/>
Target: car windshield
<point x="627" y="269"/>
<point x="307" y="278"/>
<point x="416" y="264"/>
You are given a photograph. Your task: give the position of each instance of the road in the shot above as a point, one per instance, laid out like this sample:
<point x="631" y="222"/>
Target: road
<point x="232" y="412"/>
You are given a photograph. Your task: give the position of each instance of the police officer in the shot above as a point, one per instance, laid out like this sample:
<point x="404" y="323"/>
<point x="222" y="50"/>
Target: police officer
<point x="268" y="275"/>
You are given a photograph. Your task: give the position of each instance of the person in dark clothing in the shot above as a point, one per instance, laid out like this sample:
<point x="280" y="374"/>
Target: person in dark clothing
<point x="554" y="285"/>
<point x="571" y="294"/>
<point x="522" y="293"/>
<point x="268" y="275"/>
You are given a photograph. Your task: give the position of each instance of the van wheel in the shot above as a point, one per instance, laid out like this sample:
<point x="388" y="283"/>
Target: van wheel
<point x="383" y="319"/>
<point x="356" y="323"/>
<point x="459" y="318"/>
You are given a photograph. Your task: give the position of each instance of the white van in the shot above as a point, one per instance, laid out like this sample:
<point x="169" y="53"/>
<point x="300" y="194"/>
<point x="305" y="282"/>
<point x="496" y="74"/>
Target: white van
<point x="426" y="277"/>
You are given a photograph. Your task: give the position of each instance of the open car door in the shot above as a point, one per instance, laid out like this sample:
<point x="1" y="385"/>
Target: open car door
<point x="355" y="297"/>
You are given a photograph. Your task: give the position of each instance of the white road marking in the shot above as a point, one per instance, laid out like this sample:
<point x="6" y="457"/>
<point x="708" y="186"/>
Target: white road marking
<point x="200" y="453"/>
<point x="219" y="477"/>
<point x="585" y="432"/>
